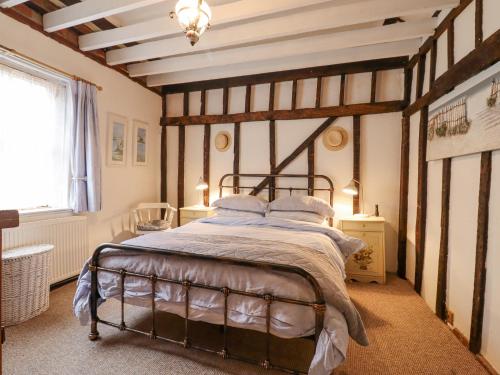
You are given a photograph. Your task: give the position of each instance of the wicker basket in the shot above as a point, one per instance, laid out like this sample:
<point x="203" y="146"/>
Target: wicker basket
<point x="25" y="283"/>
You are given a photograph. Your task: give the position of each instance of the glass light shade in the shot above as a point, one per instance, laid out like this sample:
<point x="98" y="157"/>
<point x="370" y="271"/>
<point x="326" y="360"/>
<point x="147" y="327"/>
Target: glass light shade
<point x="351" y="188"/>
<point x="201" y="185"/>
<point x="194" y="17"/>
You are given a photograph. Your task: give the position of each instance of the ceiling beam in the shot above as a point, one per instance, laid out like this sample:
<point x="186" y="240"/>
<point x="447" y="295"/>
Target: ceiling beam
<point x="10" y="3"/>
<point x="374" y="65"/>
<point x="88" y="11"/>
<point x="306" y="45"/>
<point x="278" y="64"/>
<point x="165" y="26"/>
<point x="286" y="26"/>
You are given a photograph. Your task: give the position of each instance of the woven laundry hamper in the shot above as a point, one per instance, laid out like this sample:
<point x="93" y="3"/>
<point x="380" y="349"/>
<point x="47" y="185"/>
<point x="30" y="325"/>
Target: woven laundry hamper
<point x="25" y="283"/>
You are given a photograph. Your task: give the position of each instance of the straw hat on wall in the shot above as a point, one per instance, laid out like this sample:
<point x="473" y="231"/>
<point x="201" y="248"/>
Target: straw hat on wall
<point x="335" y="138"/>
<point x="222" y="141"/>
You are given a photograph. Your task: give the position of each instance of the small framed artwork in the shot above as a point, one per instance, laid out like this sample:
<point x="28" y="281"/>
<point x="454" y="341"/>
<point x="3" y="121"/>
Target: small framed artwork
<point x="140" y="137"/>
<point x="117" y="140"/>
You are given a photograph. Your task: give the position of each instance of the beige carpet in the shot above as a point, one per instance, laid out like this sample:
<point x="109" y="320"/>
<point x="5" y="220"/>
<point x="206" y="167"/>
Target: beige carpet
<point x="406" y="338"/>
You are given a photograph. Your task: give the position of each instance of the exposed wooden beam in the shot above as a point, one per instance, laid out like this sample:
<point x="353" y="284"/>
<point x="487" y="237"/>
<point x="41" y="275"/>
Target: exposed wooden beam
<point x="301" y="148"/>
<point x="376" y="51"/>
<point x="90" y="10"/>
<point x="342" y="90"/>
<point x="289" y="75"/>
<point x="290" y="26"/>
<point x="310" y="168"/>
<point x="451" y="44"/>
<point x="285" y="48"/>
<point x="302" y="113"/>
<point x="236" y="158"/>
<point x="180" y="160"/>
<point x="166" y="27"/>
<point x="478" y="30"/>
<point x="163" y="154"/>
<point x="403" y="196"/>
<point x="443" y="244"/>
<point x="294" y="95"/>
<point x="487" y="54"/>
<point x="433" y="61"/>
<point x="373" y="91"/>
<point x="420" y="226"/>
<point x="356" y="175"/>
<point x="319" y="84"/>
<point x="420" y="76"/>
<point x="11" y="3"/>
<point x="476" y="329"/>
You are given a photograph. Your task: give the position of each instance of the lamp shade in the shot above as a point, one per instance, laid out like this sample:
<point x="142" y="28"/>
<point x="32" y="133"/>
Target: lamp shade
<point x="194" y="17"/>
<point x="351" y="188"/>
<point x="201" y="185"/>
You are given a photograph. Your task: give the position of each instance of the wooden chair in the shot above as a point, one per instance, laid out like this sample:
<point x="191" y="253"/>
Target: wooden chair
<point x="147" y="212"/>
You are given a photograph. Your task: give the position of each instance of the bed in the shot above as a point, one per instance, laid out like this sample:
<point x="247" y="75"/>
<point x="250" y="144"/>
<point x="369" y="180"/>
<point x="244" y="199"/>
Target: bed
<point x="276" y="276"/>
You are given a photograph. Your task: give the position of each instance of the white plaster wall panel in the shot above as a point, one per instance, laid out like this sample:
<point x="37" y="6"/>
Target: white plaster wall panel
<point x="283" y="92"/>
<point x="254" y="151"/>
<point x="236" y="100"/>
<point x="462" y="237"/>
<point x="172" y="164"/>
<point x="491" y="21"/>
<point x="464" y="32"/>
<point x="306" y="93"/>
<point x="491" y="323"/>
<point x="380" y="166"/>
<point x="175" y="105"/>
<point x="413" y="95"/>
<point x="358" y="88"/>
<point x="220" y="162"/>
<point x="427" y="76"/>
<point x="193" y="164"/>
<point x="338" y="166"/>
<point x="214" y="101"/>
<point x="194" y="103"/>
<point x="432" y="232"/>
<point x="442" y="55"/>
<point x="412" y="197"/>
<point x="330" y="89"/>
<point x="390" y="85"/>
<point x="260" y="98"/>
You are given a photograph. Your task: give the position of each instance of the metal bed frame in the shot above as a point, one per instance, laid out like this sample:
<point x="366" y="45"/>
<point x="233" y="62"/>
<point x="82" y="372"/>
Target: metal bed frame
<point x="318" y="305"/>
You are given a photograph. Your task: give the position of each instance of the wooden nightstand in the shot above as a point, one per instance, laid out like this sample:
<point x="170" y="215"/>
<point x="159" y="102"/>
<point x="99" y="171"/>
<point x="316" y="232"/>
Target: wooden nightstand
<point x="192" y="213"/>
<point x="369" y="264"/>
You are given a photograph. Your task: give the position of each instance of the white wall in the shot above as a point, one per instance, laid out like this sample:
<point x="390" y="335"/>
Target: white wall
<point x="123" y="187"/>
<point x="380" y="144"/>
<point x="463" y="206"/>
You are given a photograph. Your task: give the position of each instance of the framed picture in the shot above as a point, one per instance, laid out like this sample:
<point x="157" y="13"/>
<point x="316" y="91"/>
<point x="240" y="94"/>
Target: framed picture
<point x="140" y="139"/>
<point x="117" y="140"/>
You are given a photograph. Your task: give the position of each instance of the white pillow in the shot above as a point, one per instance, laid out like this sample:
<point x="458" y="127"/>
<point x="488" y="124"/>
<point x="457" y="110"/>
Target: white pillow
<point x="242" y="202"/>
<point x="303" y="203"/>
<point x="310" y="217"/>
<point x="236" y="213"/>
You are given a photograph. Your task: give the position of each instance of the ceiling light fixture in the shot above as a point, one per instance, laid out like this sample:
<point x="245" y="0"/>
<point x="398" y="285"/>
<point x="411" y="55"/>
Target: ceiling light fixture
<point x="194" y="17"/>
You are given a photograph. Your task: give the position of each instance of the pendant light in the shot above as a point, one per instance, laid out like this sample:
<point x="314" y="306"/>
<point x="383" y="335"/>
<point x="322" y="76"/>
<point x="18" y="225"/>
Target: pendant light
<point x="194" y="18"/>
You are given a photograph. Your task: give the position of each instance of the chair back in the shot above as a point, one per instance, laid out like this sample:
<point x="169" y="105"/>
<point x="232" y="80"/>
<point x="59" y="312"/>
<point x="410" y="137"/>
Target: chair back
<point x="150" y="211"/>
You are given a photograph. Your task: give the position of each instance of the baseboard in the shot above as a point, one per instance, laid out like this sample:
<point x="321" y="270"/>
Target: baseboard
<point x="483" y="361"/>
<point x="63" y="282"/>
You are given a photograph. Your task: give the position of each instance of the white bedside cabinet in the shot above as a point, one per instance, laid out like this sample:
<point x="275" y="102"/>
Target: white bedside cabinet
<point x="367" y="265"/>
<point x="188" y="214"/>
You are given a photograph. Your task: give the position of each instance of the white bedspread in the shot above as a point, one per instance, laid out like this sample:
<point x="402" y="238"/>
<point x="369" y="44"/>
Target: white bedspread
<point x="318" y="249"/>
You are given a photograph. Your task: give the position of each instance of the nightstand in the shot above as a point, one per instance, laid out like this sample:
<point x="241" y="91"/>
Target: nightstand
<point x="188" y="214"/>
<point x="367" y="265"/>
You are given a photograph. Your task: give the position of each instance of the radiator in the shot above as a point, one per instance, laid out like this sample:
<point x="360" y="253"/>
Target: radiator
<point x="68" y="235"/>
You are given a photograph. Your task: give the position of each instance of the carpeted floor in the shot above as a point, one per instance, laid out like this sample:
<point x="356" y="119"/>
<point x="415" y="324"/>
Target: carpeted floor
<point x="405" y="338"/>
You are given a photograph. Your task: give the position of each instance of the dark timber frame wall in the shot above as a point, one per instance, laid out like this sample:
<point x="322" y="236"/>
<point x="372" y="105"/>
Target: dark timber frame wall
<point x="271" y="115"/>
<point x="485" y="54"/>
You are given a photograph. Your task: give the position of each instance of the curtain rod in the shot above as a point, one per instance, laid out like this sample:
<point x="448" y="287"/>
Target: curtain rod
<point x="46" y="66"/>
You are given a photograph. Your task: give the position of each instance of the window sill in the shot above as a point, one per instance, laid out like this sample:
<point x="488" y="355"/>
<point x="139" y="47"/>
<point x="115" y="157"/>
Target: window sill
<point x="26" y="216"/>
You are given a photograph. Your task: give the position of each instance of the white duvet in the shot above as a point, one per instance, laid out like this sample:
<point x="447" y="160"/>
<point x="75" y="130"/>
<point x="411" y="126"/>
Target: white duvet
<point x="318" y="249"/>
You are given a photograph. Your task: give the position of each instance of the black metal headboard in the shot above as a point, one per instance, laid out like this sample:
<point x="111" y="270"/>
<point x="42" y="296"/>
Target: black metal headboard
<point x="271" y="187"/>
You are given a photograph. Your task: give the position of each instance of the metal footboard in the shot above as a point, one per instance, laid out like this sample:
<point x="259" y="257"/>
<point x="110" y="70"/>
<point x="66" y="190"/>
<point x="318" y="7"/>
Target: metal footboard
<point x="318" y="305"/>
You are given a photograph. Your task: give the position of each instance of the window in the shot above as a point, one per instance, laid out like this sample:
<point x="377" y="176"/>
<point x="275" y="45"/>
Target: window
<point x="34" y="152"/>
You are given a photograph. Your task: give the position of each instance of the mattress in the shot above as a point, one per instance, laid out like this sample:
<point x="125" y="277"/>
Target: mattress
<point x="320" y="250"/>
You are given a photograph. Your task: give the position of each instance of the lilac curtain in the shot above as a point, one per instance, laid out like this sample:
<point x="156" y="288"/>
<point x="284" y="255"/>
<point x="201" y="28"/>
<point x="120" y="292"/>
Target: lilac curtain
<point x="85" y="192"/>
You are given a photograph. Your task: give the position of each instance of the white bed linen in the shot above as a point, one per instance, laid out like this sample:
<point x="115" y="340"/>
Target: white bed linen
<point x="287" y="320"/>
